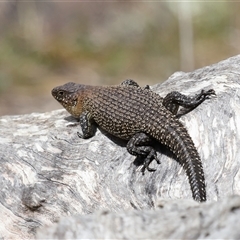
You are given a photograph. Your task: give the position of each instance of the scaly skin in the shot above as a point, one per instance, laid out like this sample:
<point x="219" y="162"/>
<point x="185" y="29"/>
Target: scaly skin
<point x="138" y="115"/>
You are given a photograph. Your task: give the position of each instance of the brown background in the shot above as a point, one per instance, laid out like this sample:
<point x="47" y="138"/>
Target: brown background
<point x="45" y="44"/>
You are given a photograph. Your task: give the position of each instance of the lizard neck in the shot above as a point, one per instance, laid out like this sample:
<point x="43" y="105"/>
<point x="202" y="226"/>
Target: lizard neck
<point x="80" y="99"/>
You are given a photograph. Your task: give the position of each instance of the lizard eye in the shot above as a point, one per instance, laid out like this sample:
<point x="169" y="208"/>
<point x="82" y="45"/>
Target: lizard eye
<point x="60" y="93"/>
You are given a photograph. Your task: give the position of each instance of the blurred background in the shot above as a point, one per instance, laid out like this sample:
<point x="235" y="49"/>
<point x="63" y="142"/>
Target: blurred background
<point x="46" y="44"/>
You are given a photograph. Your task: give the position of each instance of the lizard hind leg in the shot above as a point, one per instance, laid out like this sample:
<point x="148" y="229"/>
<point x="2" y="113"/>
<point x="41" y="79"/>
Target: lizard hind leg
<point x="130" y="82"/>
<point x="140" y="145"/>
<point x="175" y="99"/>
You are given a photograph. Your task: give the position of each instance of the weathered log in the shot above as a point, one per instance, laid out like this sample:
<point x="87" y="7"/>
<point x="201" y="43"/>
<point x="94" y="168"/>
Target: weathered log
<point x="48" y="172"/>
<point x="172" y="219"/>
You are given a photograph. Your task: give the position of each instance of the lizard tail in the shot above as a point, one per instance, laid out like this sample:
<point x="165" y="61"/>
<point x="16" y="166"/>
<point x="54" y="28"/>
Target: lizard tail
<point x="191" y="162"/>
<point x="182" y="146"/>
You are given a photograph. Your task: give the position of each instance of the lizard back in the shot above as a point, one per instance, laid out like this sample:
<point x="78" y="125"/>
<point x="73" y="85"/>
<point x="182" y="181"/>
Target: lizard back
<point x="123" y="111"/>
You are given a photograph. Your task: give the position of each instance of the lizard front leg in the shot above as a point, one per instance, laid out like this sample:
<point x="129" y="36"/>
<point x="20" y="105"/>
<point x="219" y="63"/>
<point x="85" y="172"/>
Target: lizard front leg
<point x="88" y="126"/>
<point x="175" y="99"/>
<point x="140" y="145"/>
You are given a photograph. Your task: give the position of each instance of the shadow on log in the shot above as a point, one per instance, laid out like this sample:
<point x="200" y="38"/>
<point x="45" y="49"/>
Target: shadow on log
<point x="47" y="172"/>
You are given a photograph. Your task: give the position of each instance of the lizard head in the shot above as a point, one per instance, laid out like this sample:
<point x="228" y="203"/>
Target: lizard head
<point x="70" y="97"/>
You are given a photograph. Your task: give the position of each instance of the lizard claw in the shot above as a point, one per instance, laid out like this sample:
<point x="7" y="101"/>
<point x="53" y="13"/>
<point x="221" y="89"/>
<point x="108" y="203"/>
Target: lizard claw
<point x="148" y="168"/>
<point x="208" y="94"/>
<point x="80" y="135"/>
<point x="151" y="156"/>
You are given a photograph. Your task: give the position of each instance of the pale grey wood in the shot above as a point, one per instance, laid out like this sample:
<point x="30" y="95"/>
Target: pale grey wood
<point x="48" y="172"/>
<point x="172" y="219"/>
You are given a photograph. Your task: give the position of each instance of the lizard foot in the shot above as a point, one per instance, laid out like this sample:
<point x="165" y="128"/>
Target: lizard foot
<point x="208" y="94"/>
<point x="140" y="146"/>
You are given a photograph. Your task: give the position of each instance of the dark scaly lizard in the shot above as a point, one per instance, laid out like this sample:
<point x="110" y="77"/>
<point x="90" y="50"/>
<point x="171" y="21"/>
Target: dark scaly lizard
<point x="138" y="115"/>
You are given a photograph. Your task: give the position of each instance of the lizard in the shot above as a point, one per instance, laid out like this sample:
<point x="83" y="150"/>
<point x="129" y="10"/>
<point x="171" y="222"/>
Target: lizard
<point x="140" y="116"/>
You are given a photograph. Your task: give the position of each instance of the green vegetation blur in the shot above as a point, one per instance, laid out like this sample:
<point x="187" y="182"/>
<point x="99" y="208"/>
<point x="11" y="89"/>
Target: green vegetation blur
<point x="45" y="44"/>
